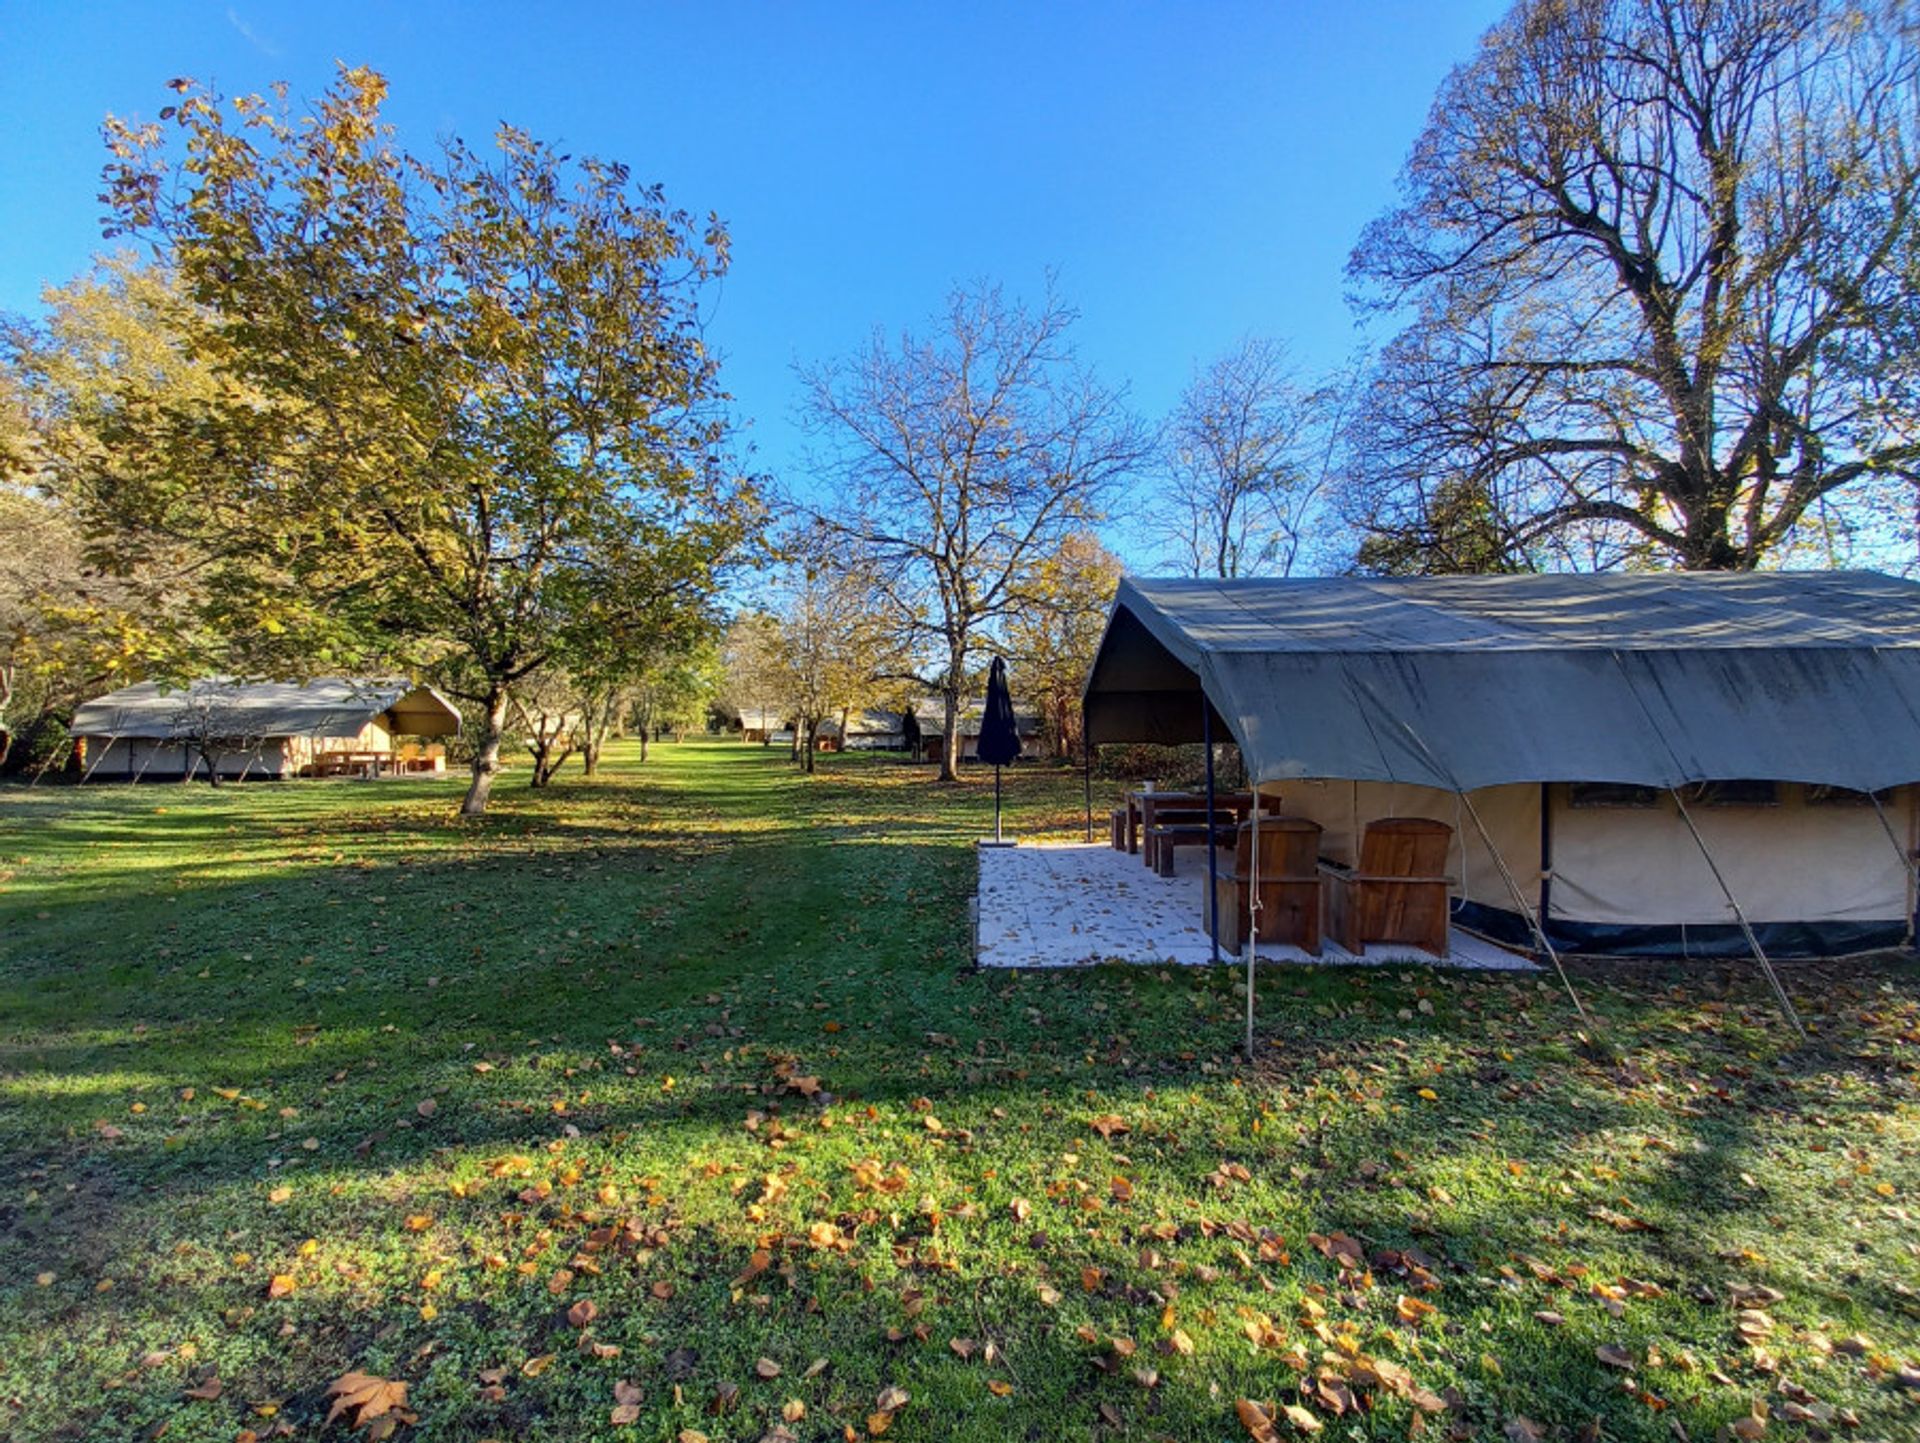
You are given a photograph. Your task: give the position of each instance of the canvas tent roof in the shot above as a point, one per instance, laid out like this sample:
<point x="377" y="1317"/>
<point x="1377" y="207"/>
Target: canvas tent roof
<point x="1468" y="682"/>
<point x="326" y="707"/>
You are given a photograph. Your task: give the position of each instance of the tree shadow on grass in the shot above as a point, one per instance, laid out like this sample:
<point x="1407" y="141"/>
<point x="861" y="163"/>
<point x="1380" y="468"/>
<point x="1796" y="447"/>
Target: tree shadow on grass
<point x="734" y="963"/>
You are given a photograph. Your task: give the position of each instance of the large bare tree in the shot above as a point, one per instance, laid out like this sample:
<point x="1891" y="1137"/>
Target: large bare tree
<point x="957" y="462"/>
<point x="1246" y="460"/>
<point x="1638" y="240"/>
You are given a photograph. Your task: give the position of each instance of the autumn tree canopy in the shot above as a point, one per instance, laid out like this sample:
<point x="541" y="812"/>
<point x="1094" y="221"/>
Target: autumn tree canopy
<point x="466" y="413"/>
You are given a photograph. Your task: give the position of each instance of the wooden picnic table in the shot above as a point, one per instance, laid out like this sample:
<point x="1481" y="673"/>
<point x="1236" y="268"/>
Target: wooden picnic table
<point x="338" y="763"/>
<point x="1142" y="806"/>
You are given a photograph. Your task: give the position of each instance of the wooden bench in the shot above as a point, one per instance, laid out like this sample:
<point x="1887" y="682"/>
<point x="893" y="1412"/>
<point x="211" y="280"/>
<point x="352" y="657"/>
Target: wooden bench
<point x="1119" y="829"/>
<point x="1185" y="827"/>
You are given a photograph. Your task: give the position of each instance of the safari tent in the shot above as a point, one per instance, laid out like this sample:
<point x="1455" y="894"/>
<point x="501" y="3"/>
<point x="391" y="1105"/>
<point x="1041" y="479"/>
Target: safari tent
<point x="1624" y="759"/>
<point x="257" y="730"/>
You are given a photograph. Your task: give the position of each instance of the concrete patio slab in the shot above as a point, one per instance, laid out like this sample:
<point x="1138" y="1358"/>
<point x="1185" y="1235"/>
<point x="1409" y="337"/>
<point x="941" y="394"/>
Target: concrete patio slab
<point x="1076" y="904"/>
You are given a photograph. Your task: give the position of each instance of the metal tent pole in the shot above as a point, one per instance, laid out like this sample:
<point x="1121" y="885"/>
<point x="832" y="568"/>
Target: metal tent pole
<point x="1213" y="861"/>
<point x="1086" y="757"/>
<point x="1753" y="942"/>
<point x="1253" y="913"/>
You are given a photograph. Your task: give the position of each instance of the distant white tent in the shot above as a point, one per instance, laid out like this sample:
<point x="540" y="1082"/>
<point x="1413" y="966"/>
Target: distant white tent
<point x="1651" y="764"/>
<point x="260" y="729"/>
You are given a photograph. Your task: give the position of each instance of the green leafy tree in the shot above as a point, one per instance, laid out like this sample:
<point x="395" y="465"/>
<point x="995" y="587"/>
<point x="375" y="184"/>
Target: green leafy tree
<point x="466" y="417"/>
<point x="1051" y="642"/>
<point x="110" y="345"/>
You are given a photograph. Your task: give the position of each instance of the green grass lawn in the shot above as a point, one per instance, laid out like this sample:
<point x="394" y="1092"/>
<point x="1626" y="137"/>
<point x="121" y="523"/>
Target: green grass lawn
<point x="669" y="1102"/>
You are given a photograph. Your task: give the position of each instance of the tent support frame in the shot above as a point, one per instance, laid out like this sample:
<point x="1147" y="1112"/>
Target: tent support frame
<point x="1739" y="913"/>
<point x="1086" y="767"/>
<point x="1253" y="915"/>
<point x="1213" y="863"/>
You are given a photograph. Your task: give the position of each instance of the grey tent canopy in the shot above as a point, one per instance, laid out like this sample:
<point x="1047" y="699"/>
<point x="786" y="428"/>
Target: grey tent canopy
<point x="1461" y="683"/>
<point x="328" y="706"/>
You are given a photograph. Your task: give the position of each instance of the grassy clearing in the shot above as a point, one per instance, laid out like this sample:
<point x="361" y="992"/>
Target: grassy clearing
<point x="306" y="1080"/>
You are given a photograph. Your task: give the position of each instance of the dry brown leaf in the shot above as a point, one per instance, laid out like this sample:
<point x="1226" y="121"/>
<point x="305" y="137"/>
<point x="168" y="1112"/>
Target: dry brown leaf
<point x="366" y="1397"/>
<point x="1301" y="1418"/>
<point x="583" y="1312"/>
<point x="767" y="1369"/>
<point x="1256" y="1420"/>
<point x="1613" y="1355"/>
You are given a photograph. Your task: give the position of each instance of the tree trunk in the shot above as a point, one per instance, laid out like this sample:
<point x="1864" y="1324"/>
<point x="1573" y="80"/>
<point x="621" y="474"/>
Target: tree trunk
<point x="950" y="730"/>
<point x="813" y="730"/>
<point x="590" y="759"/>
<point x="486" y="757"/>
<point x="6" y="700"/>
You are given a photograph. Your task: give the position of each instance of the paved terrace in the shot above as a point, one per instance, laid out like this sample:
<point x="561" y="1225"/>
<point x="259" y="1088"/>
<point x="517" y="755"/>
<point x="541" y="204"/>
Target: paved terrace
<point x="1077" y="904"/>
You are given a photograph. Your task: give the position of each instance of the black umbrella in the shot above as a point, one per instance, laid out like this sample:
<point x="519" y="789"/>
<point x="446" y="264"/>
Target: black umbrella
<point x="999" y="736"/>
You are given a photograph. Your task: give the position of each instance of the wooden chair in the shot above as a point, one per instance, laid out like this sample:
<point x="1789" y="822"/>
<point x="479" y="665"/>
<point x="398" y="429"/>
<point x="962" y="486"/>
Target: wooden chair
<point x="1289" y="885"/>
<point x="1398" y="893"/>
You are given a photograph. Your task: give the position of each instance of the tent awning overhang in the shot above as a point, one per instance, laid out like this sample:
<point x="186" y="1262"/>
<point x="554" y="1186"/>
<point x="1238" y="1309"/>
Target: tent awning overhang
<point x="1469" y="682"/>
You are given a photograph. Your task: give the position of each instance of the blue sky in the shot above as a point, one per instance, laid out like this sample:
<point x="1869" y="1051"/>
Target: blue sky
<point x="1193" y="172"/>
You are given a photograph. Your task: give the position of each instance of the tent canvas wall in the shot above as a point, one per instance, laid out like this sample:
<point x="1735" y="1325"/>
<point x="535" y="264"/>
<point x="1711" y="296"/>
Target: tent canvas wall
<point x="1565" y="708"/>
<point x="146" y="731"/>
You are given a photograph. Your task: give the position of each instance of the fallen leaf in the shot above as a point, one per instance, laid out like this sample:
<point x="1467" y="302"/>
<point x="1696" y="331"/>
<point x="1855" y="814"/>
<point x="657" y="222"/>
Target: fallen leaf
<point x="1613" y="1355"/>
<point x="366" y="1397"/>
<point x="1301" y="1418"/>
<point x="583" y="1312"/>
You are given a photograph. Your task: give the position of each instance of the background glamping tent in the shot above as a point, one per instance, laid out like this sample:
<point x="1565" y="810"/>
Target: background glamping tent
<point x="273" y="729"/>
<point x="1623" y="758"/>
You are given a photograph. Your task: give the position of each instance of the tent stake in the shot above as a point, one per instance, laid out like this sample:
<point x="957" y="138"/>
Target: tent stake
<point x="1213" y="865"/>
<point x="1759" y="953"/>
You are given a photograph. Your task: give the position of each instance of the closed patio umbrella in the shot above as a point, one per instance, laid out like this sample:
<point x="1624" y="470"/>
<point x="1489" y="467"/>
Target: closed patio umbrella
<point x="999" y="735"/>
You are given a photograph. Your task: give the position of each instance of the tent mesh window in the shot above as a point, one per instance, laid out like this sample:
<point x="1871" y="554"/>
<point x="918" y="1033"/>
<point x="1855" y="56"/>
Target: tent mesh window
<point x="1733" y="793"/>
<point x="1611" y="794"/>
